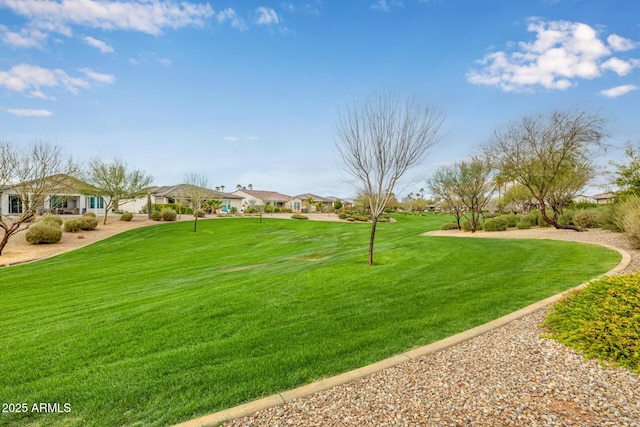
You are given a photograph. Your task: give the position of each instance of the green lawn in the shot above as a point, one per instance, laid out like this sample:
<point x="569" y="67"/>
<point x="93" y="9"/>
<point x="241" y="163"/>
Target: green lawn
<point x="160" y="325"/>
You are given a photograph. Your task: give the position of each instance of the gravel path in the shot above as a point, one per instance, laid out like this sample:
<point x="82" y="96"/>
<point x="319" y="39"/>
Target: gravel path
<point x="506" y="377"/>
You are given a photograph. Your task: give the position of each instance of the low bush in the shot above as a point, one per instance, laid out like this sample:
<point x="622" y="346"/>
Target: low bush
<point x="298" y="216"/>
<point x="90" y="214"/>
<point x="511" y="220"/>
<point x="384" y="219"/>
<point x="88" y="222"/>
<point x="533" y="217"/>
<point x="523" y="225"/>
<point x="565" y="218"/>
<point x="586" y="218"/>
<point x="350" y="219"/>
<point x="55" y="219"/>
<point x="199" y="213"/>
<point x="343" y="215"/>
<point x="127" y="216"/>
<point x="360" y="218"/>
<point x="606" y="220"/>
<point x="601" y="321"/>
<point x="43" y="233"/>
<point x="155" y="216"/>
<point x="449" y="226"/>
<point x="496" y="224"/>
<point x="168" y="214"/>
<point x="72" y="225"/>
<point x="627" y="218"/>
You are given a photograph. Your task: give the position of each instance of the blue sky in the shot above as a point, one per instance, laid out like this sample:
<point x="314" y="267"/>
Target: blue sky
<point x="248" y="92"/>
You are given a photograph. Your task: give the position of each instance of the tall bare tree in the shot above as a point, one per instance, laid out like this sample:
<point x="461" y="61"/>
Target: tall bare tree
<point x="441" y="185"/>
<point x="33" y="174"/>
<point x="380" y="139"/>
<point x="116" y="183"/>
<point x="195" y="193"/>
<point x="551" y="155"/>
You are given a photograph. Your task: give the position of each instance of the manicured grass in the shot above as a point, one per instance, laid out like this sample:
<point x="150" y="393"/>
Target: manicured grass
<point x="160" y="325"/>
<point x="602" y="321"/>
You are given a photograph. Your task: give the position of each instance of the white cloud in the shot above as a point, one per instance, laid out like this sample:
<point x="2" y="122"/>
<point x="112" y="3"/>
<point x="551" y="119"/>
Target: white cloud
<point x="23" y="112"/>
<point x="380" y="5"/>
<point x="230" y="15"/>
<point x="98" y="77"/>
<point x="32" y="78"/>
<point x="27" y="37"/>
<point x="147" y="57"/>
<point x="147" y="16"/>
<point x="614" y="92"/>
<point x="561" y="53"/>
<point x="231" y="138"/>
<point x="620" y="44"/>
<point x="267" y="16"/>
<point x="103" y="47"/>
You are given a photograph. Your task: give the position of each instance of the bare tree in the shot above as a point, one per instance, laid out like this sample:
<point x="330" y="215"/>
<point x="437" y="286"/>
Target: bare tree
<point x="195" y="193"/>
<point x="379" y="140"/>
<point x="550" y="155"/>
<point x="113" y="181"/>
<point x="441" y="185"/>
<point x="32" y="174"/>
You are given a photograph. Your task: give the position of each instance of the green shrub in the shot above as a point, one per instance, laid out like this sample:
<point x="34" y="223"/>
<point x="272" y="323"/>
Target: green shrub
<point x="200" y="213"/>
<point x="384" y="219"/>
<point x="55" y="219"/>
<point x="298" y="216"/>
<point x="496" y="224"/>
<point x="627" y="217"/>
<point x="155" y="216"/>
<point x="606" y="220"/>
<point x="533" y="217"/>
<point x="601" y="321"/>
<point x="350" y="218"/>
<point x="511" y="220"/>
<point x="90" y="214"/>
<point x="44" y="233"/>
<point x="565" y="218"/>
<point x="343" y="215"/>
<point x="168" y="214"/>
<point x="88" y="222"/>
<point x="586" y="218"/>
<point x="179" y="208"/>
<point x="277" y="210"/>
<point x="360" y="218"/>
<point x="72" y="225"/>
<point x="127" y="216"/>
<point x="523" y="225"/>
<point x="449" y="226"/>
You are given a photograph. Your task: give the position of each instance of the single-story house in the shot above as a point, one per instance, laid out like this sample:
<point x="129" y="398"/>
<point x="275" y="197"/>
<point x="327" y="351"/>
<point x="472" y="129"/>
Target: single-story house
<point x="604" y="198"/>
<point x="178" y="193"/>
<point x="581" y="198"/>
<point x="327" y="204"/>
<point x="64" y="195"/>
<point x="264" y="198"/>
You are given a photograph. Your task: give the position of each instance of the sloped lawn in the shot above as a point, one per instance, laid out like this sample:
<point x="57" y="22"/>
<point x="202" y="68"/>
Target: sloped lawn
<point x="160" y="325"/>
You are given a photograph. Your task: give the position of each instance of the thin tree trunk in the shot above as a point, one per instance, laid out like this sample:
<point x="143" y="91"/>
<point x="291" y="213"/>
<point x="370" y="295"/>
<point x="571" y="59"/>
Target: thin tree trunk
<point x="554" y="222"/>
<point x="195" y="222"/>
<point x="372" y="238"/>
<point x="5" y="240"/>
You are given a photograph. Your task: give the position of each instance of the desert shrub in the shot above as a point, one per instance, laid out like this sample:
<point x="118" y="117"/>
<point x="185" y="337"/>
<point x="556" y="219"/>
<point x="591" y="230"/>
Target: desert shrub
<point x="168" y="214"/>
<point x="384" y="219"/>
<point x="127" y="216"/>
<point x="155" y="216"/>
<point x="601" y="320"/>
<point x="298" y="216"/>
<point x="496" y="224"/>
<point x="350" y="219"/>
<point x="91" y="214"/>
<point x="179" y="208"/>
<point x="466" y="225"/>
<point x="565" y="218"/>
<point x="586" y="218"/>
<point x="72" y="225"/>
<point x="449" y="226"/>
<point x="88" y="222"/>
<point x="533" y="217"/>
<point x="606" y="220"/>
<point x="343" y="215"/>
<point x="199" y="213"/>
<point x="44" y="233"/>
<point x="268" y="209"/>
<point x="523" y="225"/>
<point x="627" y="217"/>
<point x="360" y="218"/>
<point x="277" y="210"/>
<point x="55" y="219"/>
<point x="511" y="219"/>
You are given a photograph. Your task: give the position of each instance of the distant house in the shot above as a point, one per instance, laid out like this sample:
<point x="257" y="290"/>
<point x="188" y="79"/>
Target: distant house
<point x="176" y="193"/>
<point x="604" y="198"/>
<point x="68" y="195"/>
<point x="264" y="198"/>
<point x="581" y="198"/>
<point x="327" y="203"/>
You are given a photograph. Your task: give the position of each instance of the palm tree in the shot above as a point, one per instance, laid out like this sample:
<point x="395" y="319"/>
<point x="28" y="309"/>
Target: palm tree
<point x="250" y="186"/>
<point x="239" y="187"/>
<point x="309" y="204"/>
<point x="222" y="188"/>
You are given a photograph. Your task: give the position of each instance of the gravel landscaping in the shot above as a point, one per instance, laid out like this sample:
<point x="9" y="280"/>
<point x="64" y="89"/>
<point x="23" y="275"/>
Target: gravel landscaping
<point x="509" y="376"/>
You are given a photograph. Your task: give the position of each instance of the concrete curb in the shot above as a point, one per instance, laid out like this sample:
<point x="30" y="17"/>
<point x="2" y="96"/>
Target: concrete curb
<point x="279" y="399"/>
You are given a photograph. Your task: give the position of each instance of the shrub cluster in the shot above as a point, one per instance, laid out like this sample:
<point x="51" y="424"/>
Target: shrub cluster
<point x="127" y="216"/>
<point x="602" y="320"/>
<point x="449" y="226"/>
<point x="523" y="225"/>
<point x="72" y="225"/>
<point x="298" y="216"/>
<point x="88" y="222"/>
<point x="55" y="219"/>
<point x="199" y="213"/>
<point x="496" y="224"/>
<point x="168" y="214"/>
<point x="627" y="218"/>
<point x="44" y="232"/>
<point x="91" y="214"/>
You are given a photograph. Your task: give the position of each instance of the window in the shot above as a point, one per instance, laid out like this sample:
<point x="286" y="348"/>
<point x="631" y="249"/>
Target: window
<point x="96" y="203"/>
<point x="15" y="205"/>
<point x="58" y="202"/>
